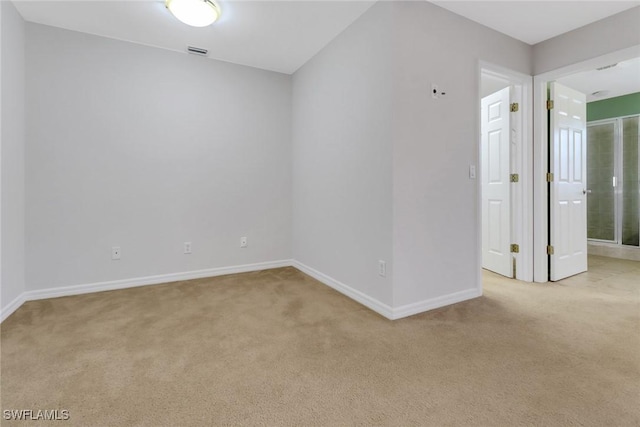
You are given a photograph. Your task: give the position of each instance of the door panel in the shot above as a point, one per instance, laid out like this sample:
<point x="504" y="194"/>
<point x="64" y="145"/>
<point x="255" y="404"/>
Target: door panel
<point x="568" y="213"/>
<point x="496" y="198"/>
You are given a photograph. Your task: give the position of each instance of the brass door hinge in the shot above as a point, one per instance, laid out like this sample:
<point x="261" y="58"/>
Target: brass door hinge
<point x="550" y="177"/>
<point x="514" y="177"/>
<point x="549" y="250"/>
<point x="515" y="248"/>
<point x="549" y="105"/>
<point x="514" y="107"/>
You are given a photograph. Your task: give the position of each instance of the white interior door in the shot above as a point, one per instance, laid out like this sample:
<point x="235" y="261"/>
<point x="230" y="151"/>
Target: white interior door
<point x="567" y="203"/>
<point x="496" y="193"/>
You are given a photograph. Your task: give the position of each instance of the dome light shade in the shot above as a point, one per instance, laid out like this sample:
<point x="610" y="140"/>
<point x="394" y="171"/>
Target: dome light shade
<point x="197" y="13"/>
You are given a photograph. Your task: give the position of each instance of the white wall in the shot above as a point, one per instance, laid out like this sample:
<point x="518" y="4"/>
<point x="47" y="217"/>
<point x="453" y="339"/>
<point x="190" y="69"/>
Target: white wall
<point x="342" y="147"/>
<point x="435" y="217"/>
<point x="368" y="137"/>
<point x="12" y="154"/>
<point x="145" y="149"/>
<point x="608" y="35"/>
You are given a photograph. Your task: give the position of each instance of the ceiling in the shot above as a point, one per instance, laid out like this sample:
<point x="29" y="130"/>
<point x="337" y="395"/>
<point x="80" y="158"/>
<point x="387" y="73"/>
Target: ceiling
<point x="283" y="35"/>
<point x="535" y="21"/>
<point x="273" y="35"/>
<point x="622" y="79"/>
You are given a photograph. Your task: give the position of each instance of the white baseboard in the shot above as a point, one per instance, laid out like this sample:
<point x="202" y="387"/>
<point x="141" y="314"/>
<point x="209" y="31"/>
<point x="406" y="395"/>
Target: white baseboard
<point x="11" y="307"/>
<point x="369" y="302"/>
<point x="433" y="303"/>
<point x="631" y="253"/>
<point x="385" y="310"/>
<point x="138" y="281"/>
<point x="152" y="280"/>
<point x="366" y="300"/>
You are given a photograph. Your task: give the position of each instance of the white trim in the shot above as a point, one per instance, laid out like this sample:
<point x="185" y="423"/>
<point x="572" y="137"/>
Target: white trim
<point x="478" y="166"/>
<point x="11" y="307"/>
<point x="524" y="223"/>
<point x="540" y="190"/>
<point x="433" y="303"/>
<point x="610" y="119"/>
<point x="366" y="300"/>
<point x="369" y="302"/>
<point x="151" y="280"/>
<point x="63" y="291"/>
<point x="385" y="310"/>
<point x="613" y="250"/>
<point x="541" y="152"/>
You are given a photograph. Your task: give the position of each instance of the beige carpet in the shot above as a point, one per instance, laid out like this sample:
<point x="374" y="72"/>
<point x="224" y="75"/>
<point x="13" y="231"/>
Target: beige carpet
<point x="278" y="348"/>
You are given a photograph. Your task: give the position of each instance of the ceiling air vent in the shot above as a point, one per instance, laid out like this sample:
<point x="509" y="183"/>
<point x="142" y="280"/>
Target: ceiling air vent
<point x="606" y="67"/>
<point x="197" y="50"/>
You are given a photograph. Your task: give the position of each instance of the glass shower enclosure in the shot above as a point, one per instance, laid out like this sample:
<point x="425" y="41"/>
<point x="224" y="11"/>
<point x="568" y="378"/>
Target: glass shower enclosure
<point x="613" y="163"/>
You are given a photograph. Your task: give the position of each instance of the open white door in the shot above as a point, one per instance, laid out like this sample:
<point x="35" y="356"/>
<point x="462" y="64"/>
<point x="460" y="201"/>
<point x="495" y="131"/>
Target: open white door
<point x="567" y="192"/>
<point x="496" y="197"/>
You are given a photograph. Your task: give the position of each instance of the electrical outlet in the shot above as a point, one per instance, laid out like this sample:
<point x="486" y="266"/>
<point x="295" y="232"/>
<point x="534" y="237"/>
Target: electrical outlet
<point x="382" y="268"/>
<point x="244" y="242"/>
<point x="187" y="247"/>
<point x="115" y="253"/>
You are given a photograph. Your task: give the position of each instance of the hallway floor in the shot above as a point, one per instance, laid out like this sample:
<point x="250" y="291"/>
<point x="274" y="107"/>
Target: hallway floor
<point x="605" y="275"/>
<point x="608" y="275"/>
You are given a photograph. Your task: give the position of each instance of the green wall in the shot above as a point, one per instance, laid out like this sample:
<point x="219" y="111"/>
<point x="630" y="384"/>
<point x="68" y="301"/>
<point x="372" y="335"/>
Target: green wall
<point x="619" y="106"/>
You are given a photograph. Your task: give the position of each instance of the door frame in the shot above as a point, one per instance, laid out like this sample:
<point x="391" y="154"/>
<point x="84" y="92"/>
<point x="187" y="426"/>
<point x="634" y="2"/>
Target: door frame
<point x="541" y="151"/>
<point x="522" y="194"/>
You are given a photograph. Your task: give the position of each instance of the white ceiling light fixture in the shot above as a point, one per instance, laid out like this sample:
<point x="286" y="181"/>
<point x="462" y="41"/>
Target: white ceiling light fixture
<point x="196" y="13"/>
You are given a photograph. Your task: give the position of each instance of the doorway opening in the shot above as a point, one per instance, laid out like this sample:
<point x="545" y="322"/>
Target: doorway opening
<point x="505" y="175"/>
<point x="586" y="163"/>
<point x="613" y="158"/>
